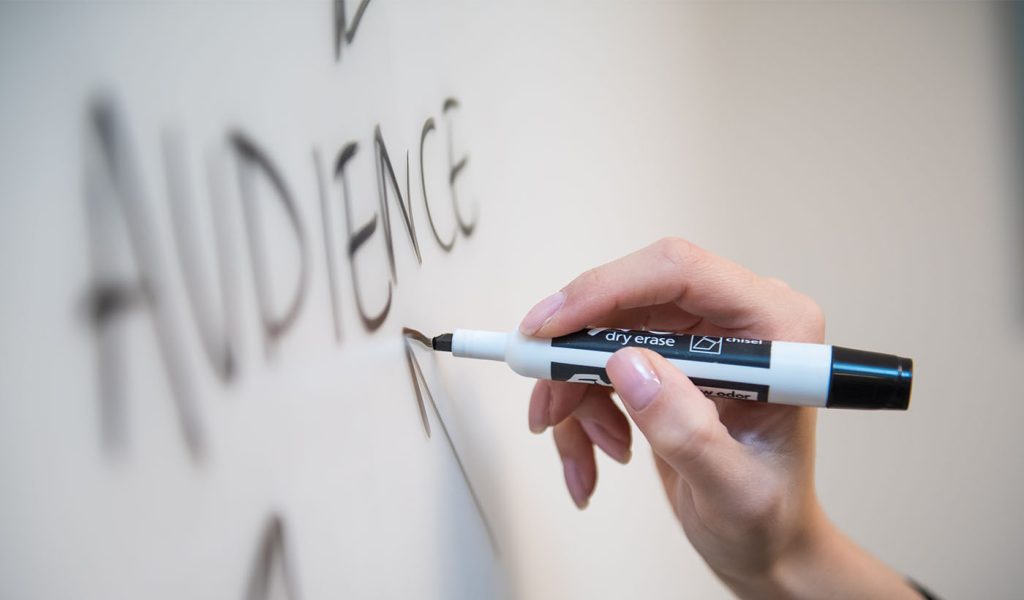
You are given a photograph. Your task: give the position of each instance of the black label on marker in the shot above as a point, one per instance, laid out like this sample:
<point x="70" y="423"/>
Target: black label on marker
<point x="712" y="388"/>
<point x="731" y="390"/>
<point x="579" y="374"/>
<point x="703" y="348"/>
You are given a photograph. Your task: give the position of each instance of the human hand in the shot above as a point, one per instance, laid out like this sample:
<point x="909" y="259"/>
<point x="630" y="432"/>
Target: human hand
<point x="738" y="474"/>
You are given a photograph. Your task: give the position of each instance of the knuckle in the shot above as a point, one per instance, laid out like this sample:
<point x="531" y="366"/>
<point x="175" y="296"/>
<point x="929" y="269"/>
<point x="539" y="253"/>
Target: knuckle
<point x="677" y="251"/>
<point x="587" y="282"/>
<point x="562" y="435"/>
<point x="800" y="313"/>
<point x="687" y="443"/>
<point x="760" y="511"/>
<point x="764" y="506"/>
<point x="812" y="316"/>
<point x="816" y="316"/>
<point x="565" y="398"/>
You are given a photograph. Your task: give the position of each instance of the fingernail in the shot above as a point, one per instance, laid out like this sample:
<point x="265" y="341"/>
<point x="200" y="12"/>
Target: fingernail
<point x="612" y="446"/>
<point x="638" y="384"/>
<point x="541" y="313"/>
<point x="574" y="479"/>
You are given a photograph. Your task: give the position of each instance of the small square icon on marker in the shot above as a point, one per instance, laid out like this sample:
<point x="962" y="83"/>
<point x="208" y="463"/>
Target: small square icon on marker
<point x="706" y="344"/>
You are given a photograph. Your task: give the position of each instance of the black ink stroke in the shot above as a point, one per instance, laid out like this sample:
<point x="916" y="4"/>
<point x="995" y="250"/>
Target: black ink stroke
<point x="455" y="168"/>
<point x="356" y="239"/>
<point x="386" y="173"/>
<point x="411" y="336"/>
<point x="429" y="126"/>
<point x="416" y="336"/>
<point x="329" y="245"/>
<point x="216" y="334"/>
<point x="251" y="159"/>
<point x="273" y="548"/>
<point x="112" y="190"/>
<point x="343" y="32"/>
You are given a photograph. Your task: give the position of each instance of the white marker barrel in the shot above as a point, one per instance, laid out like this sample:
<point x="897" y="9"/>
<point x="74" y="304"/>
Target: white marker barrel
<point x="722" y="367"/>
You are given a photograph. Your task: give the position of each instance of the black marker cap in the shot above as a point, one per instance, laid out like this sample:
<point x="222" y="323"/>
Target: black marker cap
<point x="869" y="380"/>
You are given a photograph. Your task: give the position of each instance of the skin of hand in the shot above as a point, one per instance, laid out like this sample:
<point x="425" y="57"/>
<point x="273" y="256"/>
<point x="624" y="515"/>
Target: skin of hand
<point x="739" y="475"/>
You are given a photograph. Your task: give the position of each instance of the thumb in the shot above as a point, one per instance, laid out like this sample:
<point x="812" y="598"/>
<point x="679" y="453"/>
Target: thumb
<point x="680" y="423"/>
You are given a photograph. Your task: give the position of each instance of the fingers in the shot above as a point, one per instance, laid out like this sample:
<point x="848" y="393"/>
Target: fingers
<point x="554" y="401"/>
<point x="578" y="464"/>
<point x="604" y="423"/>
<point x="540" y="401"/>
<point x="670" y="271"/>
<point x="582" y="416"/>
<point x="663" y="317"/>
<point x="680" y="423"/>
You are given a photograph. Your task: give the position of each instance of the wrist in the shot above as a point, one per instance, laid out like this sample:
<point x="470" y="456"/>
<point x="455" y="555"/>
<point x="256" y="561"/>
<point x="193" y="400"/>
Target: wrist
<point x="791" y="571"/>
<point x="802" y="570"/>
<point x="821" y="562"/>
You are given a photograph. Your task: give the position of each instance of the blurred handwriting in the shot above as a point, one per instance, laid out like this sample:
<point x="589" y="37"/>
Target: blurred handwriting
<point x="133" y="271"/>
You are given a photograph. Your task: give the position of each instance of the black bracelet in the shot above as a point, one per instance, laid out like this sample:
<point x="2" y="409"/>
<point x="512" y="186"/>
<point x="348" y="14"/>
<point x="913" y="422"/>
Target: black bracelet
<point x="927" y="595"/>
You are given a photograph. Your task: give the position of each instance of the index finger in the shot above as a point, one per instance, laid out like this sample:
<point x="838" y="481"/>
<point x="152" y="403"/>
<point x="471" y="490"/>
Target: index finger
<point x="670" y="271"/>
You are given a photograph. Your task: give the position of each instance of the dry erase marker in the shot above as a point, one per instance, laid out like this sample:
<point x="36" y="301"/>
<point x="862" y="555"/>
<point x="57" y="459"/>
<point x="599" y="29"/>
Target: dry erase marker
<point x="722" y="367"/>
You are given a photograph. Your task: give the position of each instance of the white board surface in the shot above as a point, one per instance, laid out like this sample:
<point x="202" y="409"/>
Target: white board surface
<point x="206" y="388"/>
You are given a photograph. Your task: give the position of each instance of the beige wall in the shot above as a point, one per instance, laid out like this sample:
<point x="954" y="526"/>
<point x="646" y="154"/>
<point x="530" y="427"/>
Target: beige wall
<point x="873" y="143"/>
<point x="864" y="153"/>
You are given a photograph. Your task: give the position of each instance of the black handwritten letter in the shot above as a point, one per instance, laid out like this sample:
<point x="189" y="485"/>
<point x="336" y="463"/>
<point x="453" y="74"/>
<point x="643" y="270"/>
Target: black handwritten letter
<point x="456" y="167"/>
<point x="344" y="33"/>
<point x="356" y="239"/>
<point x="252" y="160"/>
<point x="428" y="126"/>
<point x="412" y="337"/>
<point x="115" y="207"/>
<point x="386" y="174"/>
<point x="272" y="556"/>
<point x="217" y="338"/>
<point x="329" y="250"/>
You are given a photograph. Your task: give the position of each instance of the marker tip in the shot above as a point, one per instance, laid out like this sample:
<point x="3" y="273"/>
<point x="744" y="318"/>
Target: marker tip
<point x="442" y="343"/>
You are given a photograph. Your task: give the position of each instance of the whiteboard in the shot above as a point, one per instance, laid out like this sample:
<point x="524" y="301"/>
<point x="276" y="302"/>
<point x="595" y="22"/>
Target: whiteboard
<point x="221" y="223"/>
